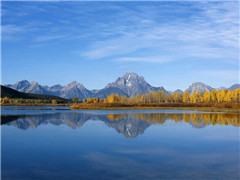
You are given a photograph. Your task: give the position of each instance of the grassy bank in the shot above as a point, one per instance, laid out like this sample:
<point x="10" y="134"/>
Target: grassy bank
<point x="212" y="107"/>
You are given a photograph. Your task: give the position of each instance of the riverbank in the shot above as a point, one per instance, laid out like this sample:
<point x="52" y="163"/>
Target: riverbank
<point x="207" y="107"/>
<point x="210" y="107"/>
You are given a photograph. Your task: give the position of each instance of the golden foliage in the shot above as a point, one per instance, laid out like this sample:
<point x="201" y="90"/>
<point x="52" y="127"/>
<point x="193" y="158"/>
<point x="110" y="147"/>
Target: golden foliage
<point x="54" y="101"/>
<point x="5" y="100"/>
<point x="226" y="96"/>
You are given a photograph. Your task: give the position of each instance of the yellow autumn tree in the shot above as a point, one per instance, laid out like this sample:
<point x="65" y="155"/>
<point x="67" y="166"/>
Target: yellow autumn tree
<point x="89" y="100"/>
<point x="186" y="96"/>
<point x="199" y="96"/>
<point x="193" y="97"/>
<point x="176" y="97"/>
<point x="206" y="96"/>
<point x="5" y="100"/>
<point x="116" y="98"/>
<point x="213" y="96"/>
<point x="138" y="98"/>
<point x="229" y="96"/>
<point x="220" y="95"/>
<point x="111" y="98"/>
<point x="236" y="95"/>
<point x="54" y="101"/>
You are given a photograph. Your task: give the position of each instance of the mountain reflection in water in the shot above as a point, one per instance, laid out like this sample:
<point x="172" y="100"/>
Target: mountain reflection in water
<point x="130" y="125"/>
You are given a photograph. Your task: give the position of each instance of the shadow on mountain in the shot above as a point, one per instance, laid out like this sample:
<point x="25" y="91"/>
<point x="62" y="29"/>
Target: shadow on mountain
<point x="130" y="125"/>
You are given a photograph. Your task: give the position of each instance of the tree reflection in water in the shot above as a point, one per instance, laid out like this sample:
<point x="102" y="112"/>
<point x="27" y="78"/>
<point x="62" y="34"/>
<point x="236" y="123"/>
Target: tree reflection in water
<point x="129" y="124"/>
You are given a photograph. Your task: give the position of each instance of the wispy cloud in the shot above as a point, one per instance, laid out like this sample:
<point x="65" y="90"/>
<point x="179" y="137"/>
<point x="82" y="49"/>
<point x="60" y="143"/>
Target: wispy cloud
<point x="14" y="32"/>
<point x="150" y="59"/>
<point x="159" y="151"/>
<point x="210" y="32"/>
<point x="50" y="37"/>
<point x="207" y="30"/>
<point x="223" y="74"/>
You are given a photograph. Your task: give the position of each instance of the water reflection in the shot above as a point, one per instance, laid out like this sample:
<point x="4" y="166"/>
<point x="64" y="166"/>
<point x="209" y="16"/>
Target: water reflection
<point x="158" y="145"/>
<point x="130" y="125"/>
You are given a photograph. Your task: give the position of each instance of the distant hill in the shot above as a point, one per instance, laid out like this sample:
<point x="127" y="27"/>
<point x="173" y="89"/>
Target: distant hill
<point x="13" y="94"/>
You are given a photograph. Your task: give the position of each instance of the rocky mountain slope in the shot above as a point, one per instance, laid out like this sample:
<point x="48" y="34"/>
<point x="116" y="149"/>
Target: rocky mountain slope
<point x="198" y="86"/>
<point x="75" y="89"/>
<point x="133" y="84"/>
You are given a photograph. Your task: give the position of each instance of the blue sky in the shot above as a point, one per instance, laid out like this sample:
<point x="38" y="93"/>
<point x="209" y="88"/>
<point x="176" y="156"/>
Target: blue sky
<point x="171" y="44"/>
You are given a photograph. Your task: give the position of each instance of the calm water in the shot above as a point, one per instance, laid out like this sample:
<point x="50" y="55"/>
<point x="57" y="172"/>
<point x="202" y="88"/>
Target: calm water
<point x="57" y="143"/>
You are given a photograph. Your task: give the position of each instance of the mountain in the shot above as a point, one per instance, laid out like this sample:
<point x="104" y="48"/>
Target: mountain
<point x="95" y="91"/>
<point x="14" y="94"/>
<point x="132" y="84"/>
<point x="235" y="86"/>
<point x="75" y="89"/>
<point x="104" y="93"/>
<point x="33" y="87"/>
<point x="20" y="86"/>
<point x="178" y="91"/>
<point x="55" y="88"/>
<point x="198" y="86"/>
<point x="220" y="89"/>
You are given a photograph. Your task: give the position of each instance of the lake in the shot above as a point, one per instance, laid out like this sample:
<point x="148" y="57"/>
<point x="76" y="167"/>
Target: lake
<point x="59" y="143"/>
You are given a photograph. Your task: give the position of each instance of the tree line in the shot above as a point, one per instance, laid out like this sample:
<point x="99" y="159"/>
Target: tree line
<point x="7" y="100"/>
<point x="177" y="97"/>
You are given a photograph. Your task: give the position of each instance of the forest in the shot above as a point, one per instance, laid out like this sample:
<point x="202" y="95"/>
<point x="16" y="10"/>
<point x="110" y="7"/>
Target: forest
<point x="162" y="97"/>
<point x="224" y="99"/>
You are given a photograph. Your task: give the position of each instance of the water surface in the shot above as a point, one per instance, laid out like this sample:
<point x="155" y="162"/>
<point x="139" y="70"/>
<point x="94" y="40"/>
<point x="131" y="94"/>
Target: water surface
<point x="57" y="143"/>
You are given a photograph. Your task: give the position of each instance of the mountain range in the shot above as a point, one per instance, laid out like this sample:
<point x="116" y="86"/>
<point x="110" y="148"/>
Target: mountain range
<point x="11" y="93"/>
<point x="130" y="84"/>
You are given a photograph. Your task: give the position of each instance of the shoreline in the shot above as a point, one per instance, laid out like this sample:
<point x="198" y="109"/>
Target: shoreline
<point x="205" y="109"/>
<point x="210" y="107"/>
<point x="167" y="106"/>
